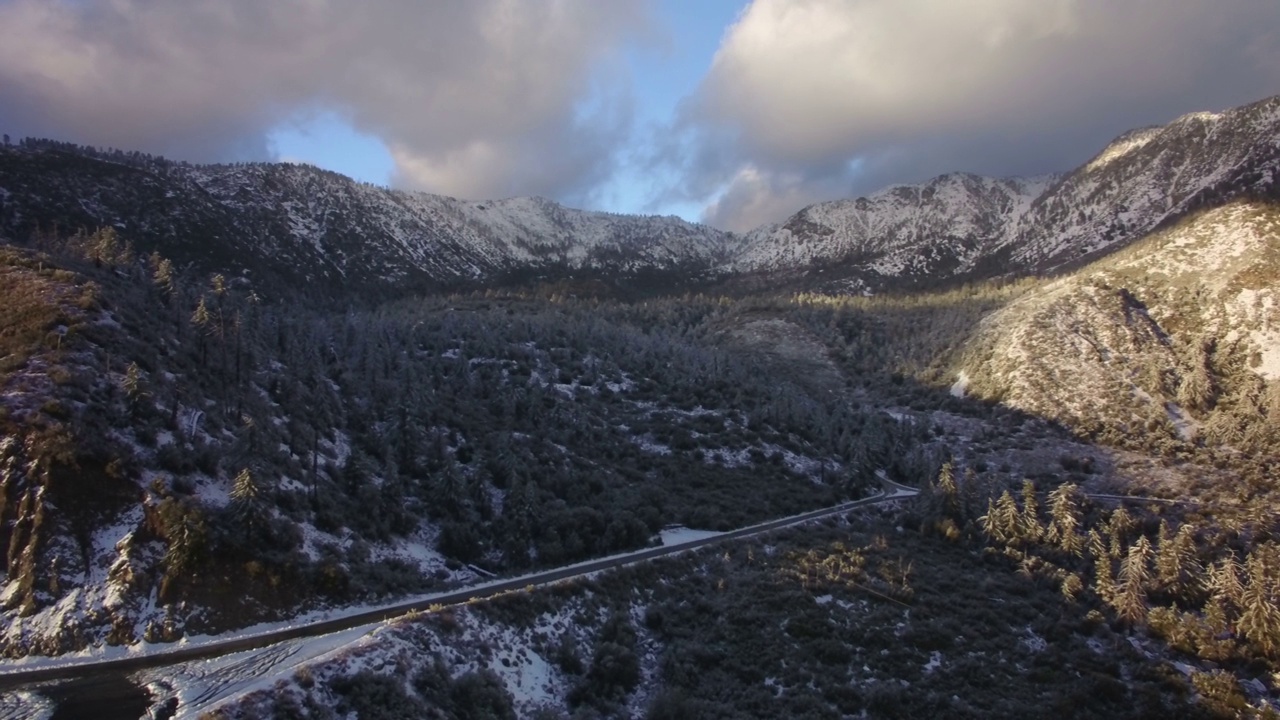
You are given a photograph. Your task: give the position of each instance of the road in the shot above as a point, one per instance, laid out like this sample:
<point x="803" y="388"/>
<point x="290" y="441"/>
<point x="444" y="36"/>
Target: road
<point x="14" y="679"/>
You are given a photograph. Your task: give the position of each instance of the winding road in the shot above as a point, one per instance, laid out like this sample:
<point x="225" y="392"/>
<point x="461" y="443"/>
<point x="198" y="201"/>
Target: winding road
<point x="87" y="670"/>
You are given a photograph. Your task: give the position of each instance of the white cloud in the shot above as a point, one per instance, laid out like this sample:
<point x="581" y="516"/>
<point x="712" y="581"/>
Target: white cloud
<point x="800" y="88"/>
<point x="475" y="97"/>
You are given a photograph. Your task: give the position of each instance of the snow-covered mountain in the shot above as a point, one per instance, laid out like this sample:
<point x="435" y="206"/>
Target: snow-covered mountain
<point x="964" y="225"/>
<point x="313" y="226"/>
<point x="946" y="225"/>
<point x="1176" y="337"/>
<point x="317" y="229"/>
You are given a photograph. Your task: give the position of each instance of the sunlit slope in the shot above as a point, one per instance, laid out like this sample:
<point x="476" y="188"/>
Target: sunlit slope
<point x="1176" y="338"/>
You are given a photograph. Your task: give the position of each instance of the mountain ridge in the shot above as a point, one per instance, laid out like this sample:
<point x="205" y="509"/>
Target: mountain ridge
<point x="309" y="226"/>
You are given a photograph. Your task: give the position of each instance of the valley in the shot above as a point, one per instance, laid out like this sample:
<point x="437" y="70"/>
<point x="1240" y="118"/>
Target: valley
<point x="241" y="395"/>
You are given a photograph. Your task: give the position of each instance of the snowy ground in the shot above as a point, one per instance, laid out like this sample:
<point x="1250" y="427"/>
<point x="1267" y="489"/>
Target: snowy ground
<point x="202" y="685"/>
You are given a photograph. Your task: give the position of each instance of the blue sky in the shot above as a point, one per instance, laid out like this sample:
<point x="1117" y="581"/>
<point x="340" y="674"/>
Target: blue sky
<point x="662" y="74"/>
<point x="731" y="112"/>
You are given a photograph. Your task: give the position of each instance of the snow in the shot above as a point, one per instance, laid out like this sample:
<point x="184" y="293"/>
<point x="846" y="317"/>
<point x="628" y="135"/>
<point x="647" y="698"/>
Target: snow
<point x="527" y="675"/>
<point x="1185" y="425"/>
<point x="681" y="535"/>
<point x="205" y="684"/>
<point x="1121" y="147"/>
<point x="24" y="705"/>
<point x="1269" y="352"/>
<point x="1033" y="642"/>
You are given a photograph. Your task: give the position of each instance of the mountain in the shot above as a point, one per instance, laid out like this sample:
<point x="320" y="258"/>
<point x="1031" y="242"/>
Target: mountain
<point x="311" y="228"/>
<point x="190" y="444"/>
<point x="940" y="228"/>
<point x="1174" y="341"/>
<point x="964" y="226"/>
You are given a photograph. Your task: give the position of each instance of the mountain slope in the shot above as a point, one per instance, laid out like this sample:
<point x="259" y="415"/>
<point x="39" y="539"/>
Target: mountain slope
<point x="1176" y="338"/>
<point x="969" y="226"/>
<point x="310" y="226"/>
<point x="315" y="229"/>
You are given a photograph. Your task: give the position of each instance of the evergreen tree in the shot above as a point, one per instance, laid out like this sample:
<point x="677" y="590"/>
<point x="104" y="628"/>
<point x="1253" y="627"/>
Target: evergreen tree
<point x="1096" y="545"/>
<point x="1065" y="520"/>
<point x="246" y="500"/>
<point x="132" y="385"/>
<point x="1259" y="620"/>
<point x="949" y="491"/>
<point x="1104" y="580"/>
<point x="163" y="277"/>
<point x="1001" y="523"/>
<point x="1177" y="568"/>
<point x="1130" y="597"/>
<point x="1029" y="528"/>
<point x="1118" y="528"/>
<point x="1225" y="582"/>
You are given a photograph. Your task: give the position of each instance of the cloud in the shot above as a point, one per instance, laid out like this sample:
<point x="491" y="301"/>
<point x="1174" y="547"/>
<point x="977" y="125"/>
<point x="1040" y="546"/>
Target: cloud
<point x="477" y="98"/>
<point x="812" y="99"/>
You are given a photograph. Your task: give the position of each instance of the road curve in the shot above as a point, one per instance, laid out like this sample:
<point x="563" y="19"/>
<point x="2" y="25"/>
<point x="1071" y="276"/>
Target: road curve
<point x="14" y="679"/>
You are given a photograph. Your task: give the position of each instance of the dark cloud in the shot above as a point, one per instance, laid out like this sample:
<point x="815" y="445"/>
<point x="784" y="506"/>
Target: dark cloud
<point x="477" y="98"/>
<point x="813" y="99"/>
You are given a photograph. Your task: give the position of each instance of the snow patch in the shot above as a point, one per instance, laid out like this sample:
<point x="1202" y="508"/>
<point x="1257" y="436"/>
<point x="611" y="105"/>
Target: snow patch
<point x="681" y="535"/>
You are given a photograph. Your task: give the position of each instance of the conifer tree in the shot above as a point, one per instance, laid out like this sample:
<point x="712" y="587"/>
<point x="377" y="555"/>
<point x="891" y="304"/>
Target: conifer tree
<point x="1071" y="587"/>
<point x="1097" y="546"/>
<point x="1104" y="580"/>
<point x="1226" y="585"/>
<point x="1065" y="520"/>
<point x="163" y="277"/>
<point x="246" y="500"/>
<point x="1259" y="620"/>
<point x="1117" y="529"/>
<point x="132" y="384"/>
<point x="1177" y="568"/>
<point x="1130" y="599"/>
<point x="203" y="320"/>
<point x="1029" y="528"/>
<point x="949" y="491"/>
<point x="1002" y="519"/>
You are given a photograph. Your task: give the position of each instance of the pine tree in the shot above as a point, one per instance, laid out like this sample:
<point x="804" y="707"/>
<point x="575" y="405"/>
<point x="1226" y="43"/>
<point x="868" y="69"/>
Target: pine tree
<point x="1196" y="392"/>
<point x="163" y="277"/>
<point x="1029" y="528"/>
<point x="203" y="320"/>
<point x="246" y="501"/>
<point x="1259" y="620"/>
<point x="949" y="491"/>
<point x="1117" y="529"/>
<point x="1097" y="546"/>
<point x="1002" y="518"/>
<point x="1065" y="520"/>
<point x="988" y="521"/>
<point x="132" y="384"/>
<point x="1130" y="600"/>
<point x="1104" y="580"/>
<point x="1071" y="587"/>
<point x="1225" y="582"/>
<point x="1177" y="568"/>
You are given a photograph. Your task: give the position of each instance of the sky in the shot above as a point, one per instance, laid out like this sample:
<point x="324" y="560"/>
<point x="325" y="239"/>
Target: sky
<point x="730" y="112"/>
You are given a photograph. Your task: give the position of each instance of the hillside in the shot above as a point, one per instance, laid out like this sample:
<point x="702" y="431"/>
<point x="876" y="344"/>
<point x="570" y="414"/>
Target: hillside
<point x="312" y="228"/>
<point x="298" y="226"/>
<point x="964" y="226"/>
<point x="1177" y="338"/>
<point x="262" y="393"/>
<point x="164" y="433"/>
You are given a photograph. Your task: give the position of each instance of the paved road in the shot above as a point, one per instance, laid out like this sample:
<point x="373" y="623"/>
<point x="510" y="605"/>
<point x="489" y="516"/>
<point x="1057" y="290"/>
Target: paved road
<point x="15" y="679"/>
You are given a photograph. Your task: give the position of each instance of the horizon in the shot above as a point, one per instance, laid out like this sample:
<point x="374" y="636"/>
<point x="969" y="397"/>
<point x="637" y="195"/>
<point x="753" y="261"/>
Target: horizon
<point x="732" y="113"/>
